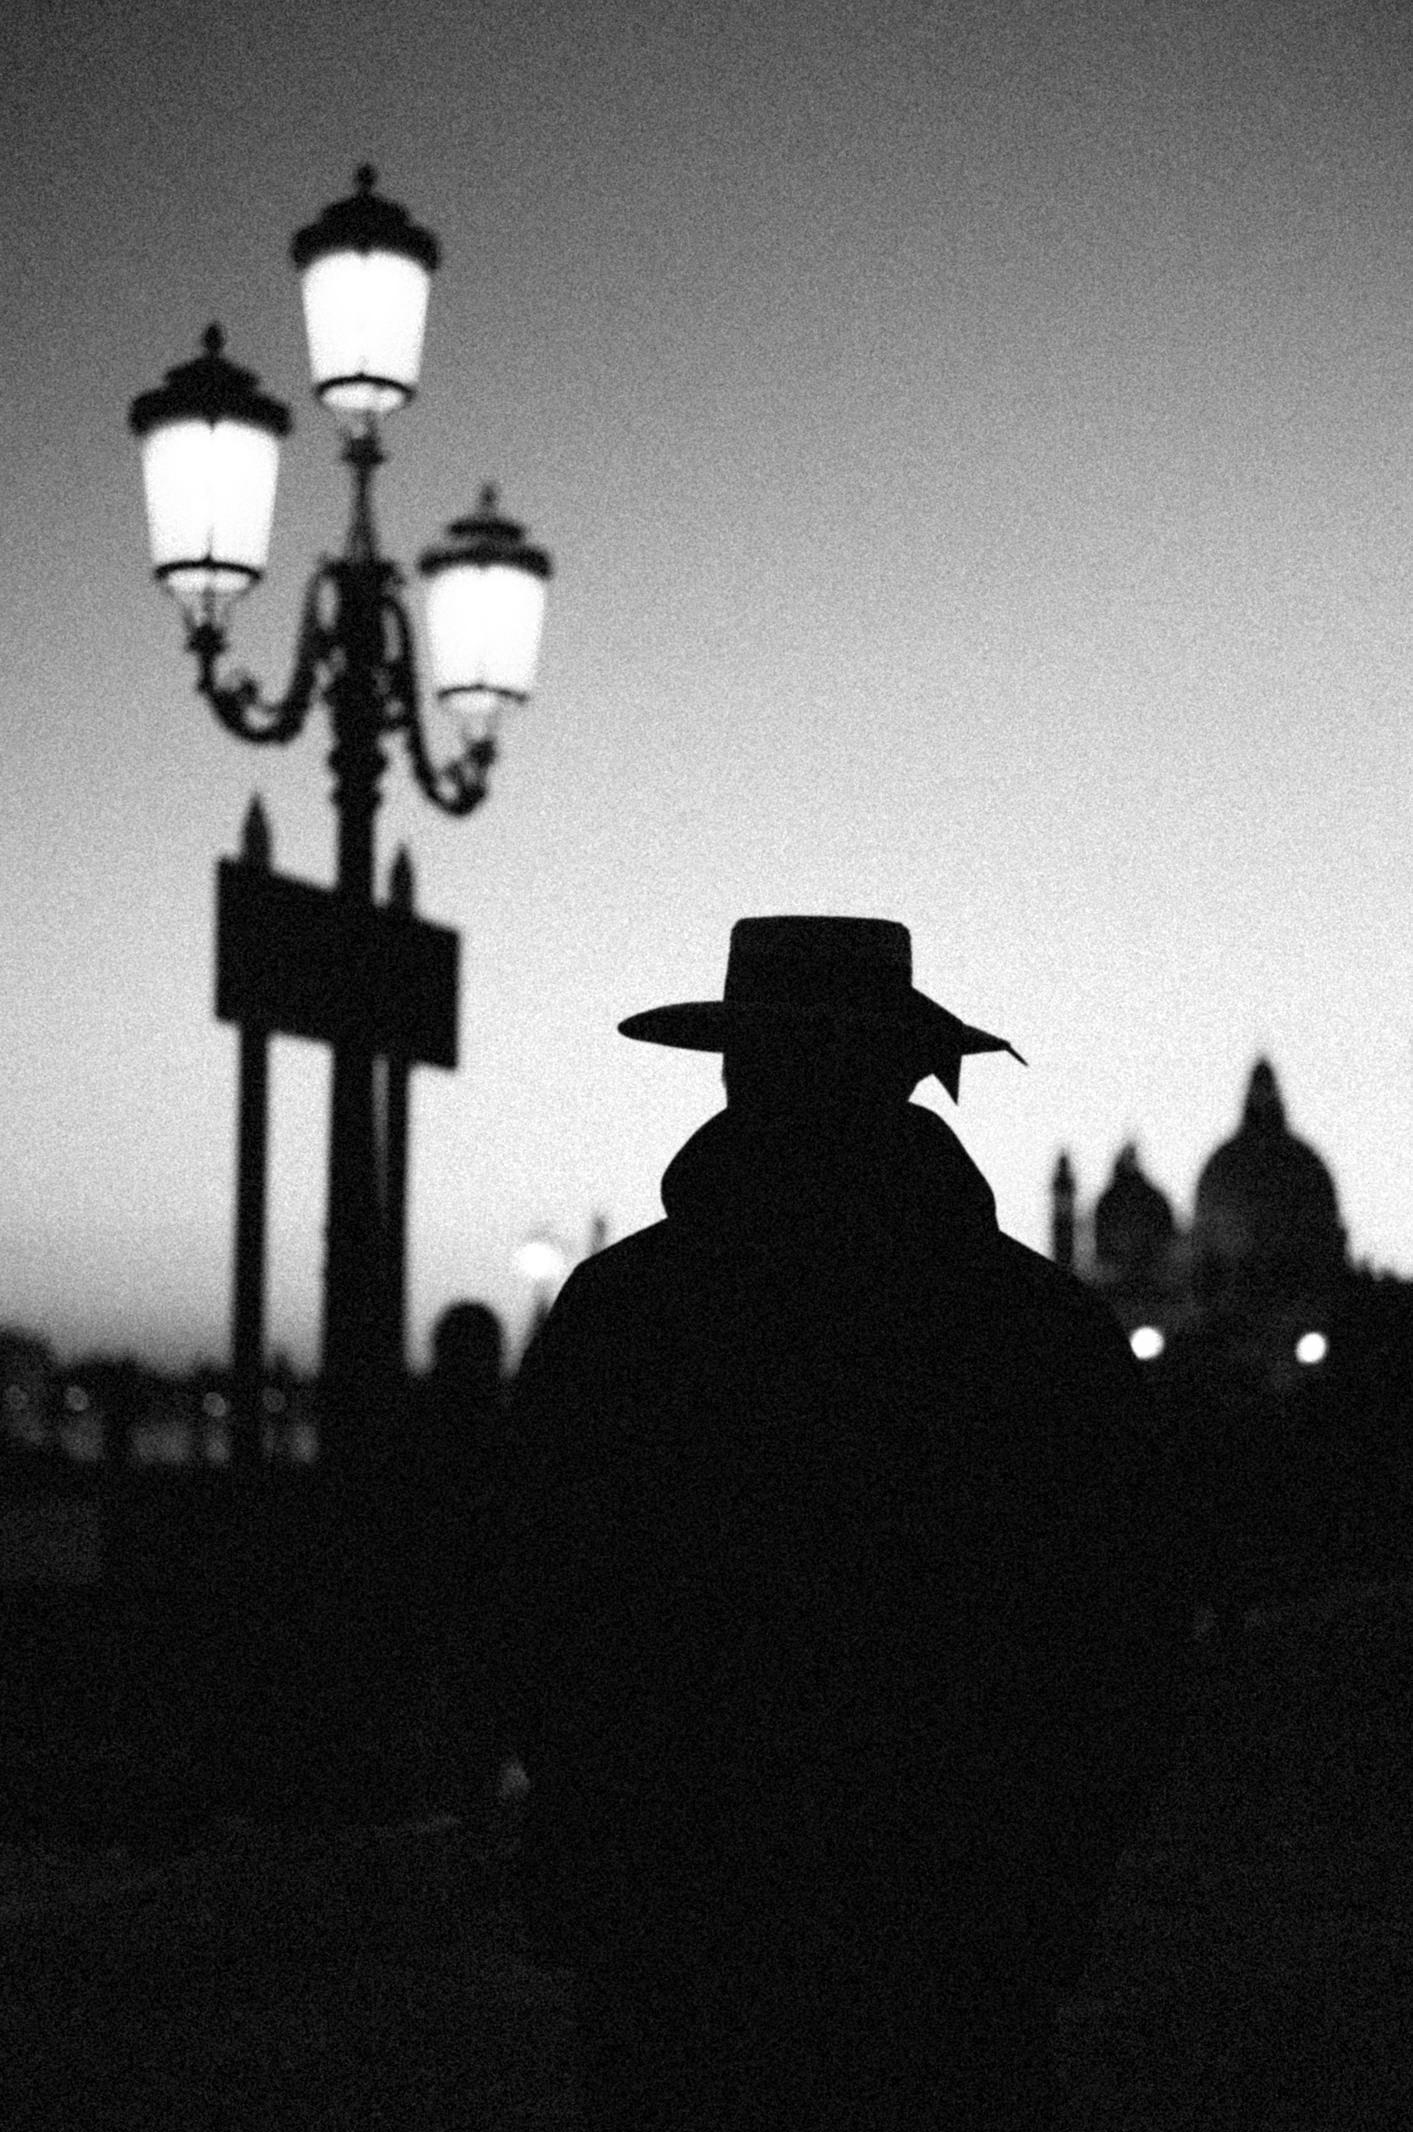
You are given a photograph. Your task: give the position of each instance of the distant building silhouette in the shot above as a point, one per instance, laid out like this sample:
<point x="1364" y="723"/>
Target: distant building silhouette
<point x="1265" y="1251"/>
<point x="1287" y="1372"/>
<point x="1266" y="1222"/>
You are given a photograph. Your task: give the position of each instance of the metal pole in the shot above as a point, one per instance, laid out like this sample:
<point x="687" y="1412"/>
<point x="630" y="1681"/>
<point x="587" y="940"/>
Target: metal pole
<point x="397" y="1076"/>
<point x="354" y="1340"/>
<point x="248" y="1308"/>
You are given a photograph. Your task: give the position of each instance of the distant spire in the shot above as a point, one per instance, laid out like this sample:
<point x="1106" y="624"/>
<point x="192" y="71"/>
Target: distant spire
<point x="256" y="844"/>
<point x="1264" y="1111"/>
<point x="1062" y="1196"/>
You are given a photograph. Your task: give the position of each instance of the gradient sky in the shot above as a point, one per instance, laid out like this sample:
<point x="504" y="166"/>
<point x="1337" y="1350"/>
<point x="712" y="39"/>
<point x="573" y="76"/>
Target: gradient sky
<point x="976" y="445"/>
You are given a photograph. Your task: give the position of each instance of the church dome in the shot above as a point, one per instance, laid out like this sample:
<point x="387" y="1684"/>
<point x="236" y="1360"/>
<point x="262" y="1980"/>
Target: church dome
<point x="1133" y="1222"/>
<point x="1266" y="1205"/>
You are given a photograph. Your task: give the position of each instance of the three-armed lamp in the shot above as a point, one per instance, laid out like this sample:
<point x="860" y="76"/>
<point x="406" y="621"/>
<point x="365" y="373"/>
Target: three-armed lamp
<point x="210" y="442"/>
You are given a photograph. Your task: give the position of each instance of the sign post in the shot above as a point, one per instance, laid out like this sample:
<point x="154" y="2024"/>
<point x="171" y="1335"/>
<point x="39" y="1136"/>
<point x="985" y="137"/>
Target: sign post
<point x="378" y="984"/>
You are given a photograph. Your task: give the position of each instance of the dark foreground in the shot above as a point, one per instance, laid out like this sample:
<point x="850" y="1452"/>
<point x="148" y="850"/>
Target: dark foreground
<point x="1254" y="1967"/>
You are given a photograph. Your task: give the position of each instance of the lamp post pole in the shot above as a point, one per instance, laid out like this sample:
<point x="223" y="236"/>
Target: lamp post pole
<point x="396" y="1076"/>
<point x="357" y="1366"/>
<point x="248" y="1300"/>
<point x="210" y="440"/>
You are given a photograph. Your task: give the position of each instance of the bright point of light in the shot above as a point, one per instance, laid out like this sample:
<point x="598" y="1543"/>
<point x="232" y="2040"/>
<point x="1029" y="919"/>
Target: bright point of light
<point x="76" y="1399"/>
<point x="542" y="1260"/>
<point x="216" y="1405"/>
<point x="1311" y="1347"/>
<point x="1147" y="1343"/>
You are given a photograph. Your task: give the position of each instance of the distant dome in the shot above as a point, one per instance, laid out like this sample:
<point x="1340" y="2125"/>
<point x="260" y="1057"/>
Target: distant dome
<point x="1266" y="1205"/>
<point x="1133" y="1222"/>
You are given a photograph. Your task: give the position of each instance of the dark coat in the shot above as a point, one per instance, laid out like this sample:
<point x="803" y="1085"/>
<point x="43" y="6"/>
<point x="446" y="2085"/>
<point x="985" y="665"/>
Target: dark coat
<point x="837" y="1554"/>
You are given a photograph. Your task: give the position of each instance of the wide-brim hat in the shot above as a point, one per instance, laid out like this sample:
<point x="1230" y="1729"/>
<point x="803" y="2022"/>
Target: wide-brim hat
<point x="850" y="972"/>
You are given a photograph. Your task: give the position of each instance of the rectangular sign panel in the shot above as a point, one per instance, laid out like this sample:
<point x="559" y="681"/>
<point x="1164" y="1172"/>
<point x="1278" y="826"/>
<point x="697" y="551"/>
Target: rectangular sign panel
<point x="300" y="961"/>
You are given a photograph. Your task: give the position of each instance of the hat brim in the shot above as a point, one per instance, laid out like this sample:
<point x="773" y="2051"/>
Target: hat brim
<point x="705" y="1025"/>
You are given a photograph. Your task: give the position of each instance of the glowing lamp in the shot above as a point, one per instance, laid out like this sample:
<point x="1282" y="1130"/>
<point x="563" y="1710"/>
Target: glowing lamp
<point x="542" y="1260"/>
<point x="485" y="610"/>
<point x="365" y="274"/>
<point x="1310" y="1348"/>
<point x="1147" y="1342"/>
<point x="210" y="443"/>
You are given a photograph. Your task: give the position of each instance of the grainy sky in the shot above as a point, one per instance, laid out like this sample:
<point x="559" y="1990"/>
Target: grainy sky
<point x="975" y="446"/>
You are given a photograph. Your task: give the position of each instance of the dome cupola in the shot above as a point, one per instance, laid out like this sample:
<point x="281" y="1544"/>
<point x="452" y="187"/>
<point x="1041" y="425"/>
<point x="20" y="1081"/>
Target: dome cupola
<point x="1266" y="1212"/>
<point x="1133" y="1224"/>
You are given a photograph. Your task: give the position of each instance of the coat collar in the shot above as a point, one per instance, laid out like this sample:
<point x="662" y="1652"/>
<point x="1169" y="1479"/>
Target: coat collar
<point x="910" y="1180"/>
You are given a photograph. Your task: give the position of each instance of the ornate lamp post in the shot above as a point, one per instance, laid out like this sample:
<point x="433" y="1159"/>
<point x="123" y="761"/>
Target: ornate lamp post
<point x="210" y="442"/>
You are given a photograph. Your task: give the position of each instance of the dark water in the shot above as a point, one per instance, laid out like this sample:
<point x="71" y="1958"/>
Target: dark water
<point x="1252" y="1967"/>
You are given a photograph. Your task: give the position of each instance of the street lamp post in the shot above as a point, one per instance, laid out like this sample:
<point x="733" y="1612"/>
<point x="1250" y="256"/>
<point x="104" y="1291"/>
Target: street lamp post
<point x="210" y="442"/>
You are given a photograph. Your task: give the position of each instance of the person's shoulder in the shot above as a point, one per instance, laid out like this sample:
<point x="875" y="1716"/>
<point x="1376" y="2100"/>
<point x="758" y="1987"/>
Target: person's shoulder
<point x="1054" y="1295"/>
<point x="606" y="1330"/>
<point x="1041" y="1277"/>
<point x="617" y="1269"/>
<point x="1074" y="1358"/>
<point x="609" y="1295"/>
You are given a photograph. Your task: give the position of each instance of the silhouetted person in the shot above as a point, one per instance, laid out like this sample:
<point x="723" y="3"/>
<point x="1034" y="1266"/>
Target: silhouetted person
<point x="468" y="1363"/>
<point x="427" y="1532"/>
<point x="840" y="1617"/>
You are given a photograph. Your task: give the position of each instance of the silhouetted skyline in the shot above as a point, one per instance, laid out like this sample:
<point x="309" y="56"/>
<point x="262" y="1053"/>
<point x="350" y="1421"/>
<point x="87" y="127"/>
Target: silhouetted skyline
<point x="975" y="450"/>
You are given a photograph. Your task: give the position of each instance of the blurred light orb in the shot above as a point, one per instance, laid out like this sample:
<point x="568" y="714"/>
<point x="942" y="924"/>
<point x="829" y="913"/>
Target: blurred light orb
<point x="542" y="1260"/>
<point x="1147" y="1343"/>
<point x="1310" y="1348"/>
